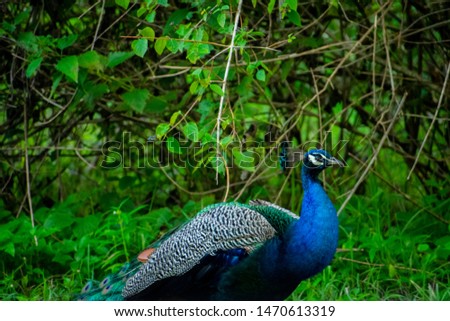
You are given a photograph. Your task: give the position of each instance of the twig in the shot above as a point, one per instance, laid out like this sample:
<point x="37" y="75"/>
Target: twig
<point x="6" y="184"/>
<point x="83" y="159"/>
<point x="27" y="168"/>
<point x="375" y="23"/>
<point x="224" y="83"/>
<point x="116" y="21"/>
<point x="375" y="155"/>
<point x="388" y="57"/>
<point x="227" y="175"/>
<point x="284" y="184"/>
<point x="252" y="177"/>
<point x="432" y="122"/>
<point x="89" y="9"/>
<point x="196" y="101"/>
<point x="319" y="114"/>
<point x="168" y="75"/>
<point x="398" y="267"/>
<point x="62" y="108"/>
<point x="98" y="25"/>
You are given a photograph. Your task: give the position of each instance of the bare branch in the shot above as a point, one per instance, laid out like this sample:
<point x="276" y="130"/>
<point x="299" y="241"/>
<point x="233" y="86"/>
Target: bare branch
<point x="102" y="11"/>
<point x="432" y="122"/>
<point x="27" y="169"/>
<point x="224" y="83"/>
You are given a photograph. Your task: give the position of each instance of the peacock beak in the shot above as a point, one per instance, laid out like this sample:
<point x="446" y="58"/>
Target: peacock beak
<point x="334" y="161"/>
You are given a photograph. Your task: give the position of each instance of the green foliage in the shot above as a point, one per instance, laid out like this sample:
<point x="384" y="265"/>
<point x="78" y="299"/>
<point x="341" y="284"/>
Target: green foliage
<point x="140" y="47"/>
<point x="116" y="107"/>
<point x="69" y="67"/>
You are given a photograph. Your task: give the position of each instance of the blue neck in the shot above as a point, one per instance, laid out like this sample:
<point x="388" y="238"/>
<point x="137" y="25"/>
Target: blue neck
<point x="312" y="240"/>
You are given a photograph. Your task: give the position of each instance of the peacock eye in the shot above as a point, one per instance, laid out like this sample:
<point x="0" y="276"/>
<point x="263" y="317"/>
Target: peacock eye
<point x="316" y="159"/>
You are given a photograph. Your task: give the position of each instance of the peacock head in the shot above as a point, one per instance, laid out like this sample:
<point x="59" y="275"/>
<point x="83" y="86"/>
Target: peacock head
<point x="316" y="160"/>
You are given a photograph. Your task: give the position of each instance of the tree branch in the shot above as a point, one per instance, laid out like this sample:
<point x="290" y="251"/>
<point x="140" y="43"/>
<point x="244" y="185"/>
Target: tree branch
<point x="224" y="85"/>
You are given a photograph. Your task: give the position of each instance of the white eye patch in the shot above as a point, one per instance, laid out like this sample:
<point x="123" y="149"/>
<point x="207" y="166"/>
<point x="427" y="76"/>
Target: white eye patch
<point x="315" y="161"/>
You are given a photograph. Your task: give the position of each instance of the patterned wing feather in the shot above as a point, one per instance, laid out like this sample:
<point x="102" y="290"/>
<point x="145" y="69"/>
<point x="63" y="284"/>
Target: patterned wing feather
<point x="219" y="227"/>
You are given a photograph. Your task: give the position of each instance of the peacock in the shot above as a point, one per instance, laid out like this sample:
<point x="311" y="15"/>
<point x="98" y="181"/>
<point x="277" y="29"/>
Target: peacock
<point x="234" y="251"/>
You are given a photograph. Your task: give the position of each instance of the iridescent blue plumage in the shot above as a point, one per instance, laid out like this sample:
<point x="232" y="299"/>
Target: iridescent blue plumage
<point x="233" y="251"/>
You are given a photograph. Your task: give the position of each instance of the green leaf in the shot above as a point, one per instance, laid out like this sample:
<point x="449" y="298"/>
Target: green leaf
<point x="190" y="130"/>
<point x="207" y="139"/>
<point x="225" y="141"/>
<point x="192" y="53"/>
<point x="197" y="51"/>
<point x="174" y="45"/>
<point x="173" y="145"/>
<point x="193" y="87"/>
<point x="59" y="218"/>
<point x="197" y="72"/>
<point x="86" y="225"/>
<point x="28" y="41"/>
<point x="292" y="4"/>
<point x="9" y="248"/>
<point x="218" y="164"/>
<point x="116" y="58"/>
<point x="270" y="6"/>
<point x="174" y="20"/>
<point x="160" y="44"/>
<point x="392" y="271"/>
<point x="294" y="17"/>
<point x="174" y="117"/>
<point x="423" y="247"/>
<point x="141" y="11"/>
<point x="69" y="67"/>
<point x="56" y="80"/>
<point x="93" y="93"/>
<point x="216" y="89"/>
<point x="221" y="19"/>
<point x="150" y="18"/>
<point x="163" y="3"/>
<point x="286" y="68"/>
<point x="244" y="160"/>
<point x="66" y="41"/>
<point x="261" y="75"/>
<point x="90" y="59"/>
<point x="136" y="99"/>
<point x="161" y="130"/>
<point x="334" y="4"/>
<point x="156" y="105"/>
<point x="33" y="67"/>
<point x="148" y="33"/>
<point x="23" y="16"/>
<point x="254" y="2"/>
<point x="123" y="3"/>
<point x="6" y="236"/>
<point x="140" y="47"/>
